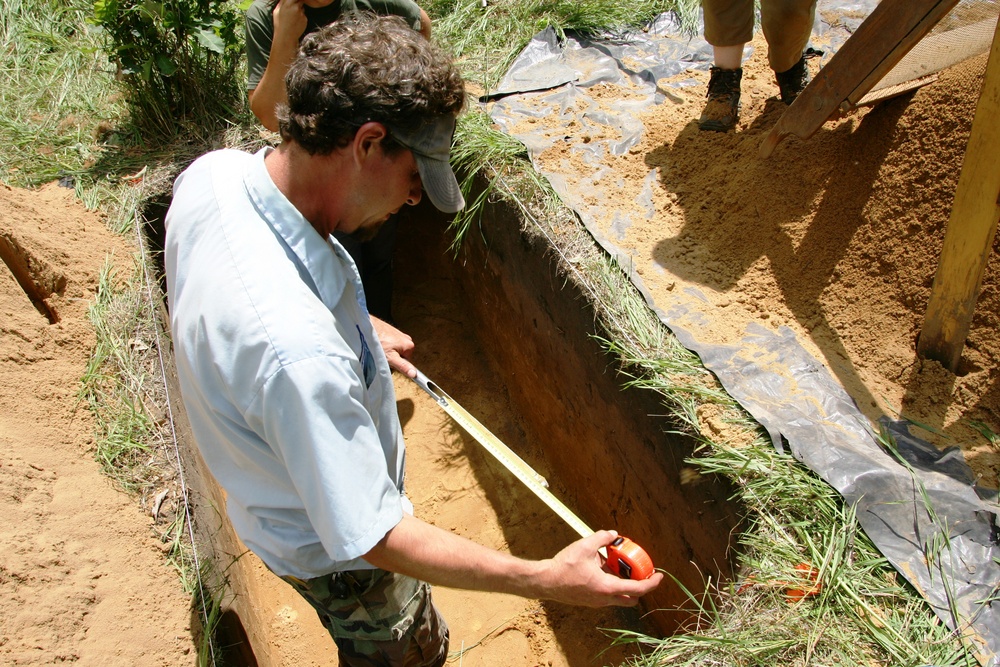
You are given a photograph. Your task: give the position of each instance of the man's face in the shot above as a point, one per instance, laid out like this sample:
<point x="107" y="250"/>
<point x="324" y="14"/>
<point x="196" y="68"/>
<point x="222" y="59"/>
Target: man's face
<point x="395" y="183"/>
<point x="317" y="4"/>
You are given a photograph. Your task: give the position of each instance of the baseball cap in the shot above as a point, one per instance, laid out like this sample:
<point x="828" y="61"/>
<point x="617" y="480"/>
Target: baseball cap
<point x="430" y="143"/>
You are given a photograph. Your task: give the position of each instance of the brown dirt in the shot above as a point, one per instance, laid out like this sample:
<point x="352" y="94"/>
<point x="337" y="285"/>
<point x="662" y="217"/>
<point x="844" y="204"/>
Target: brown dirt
<point x="456" y="485"/>
<point x="82" y="574"/>
<point x="82" y="577"/>
<point x="837" y="237"/>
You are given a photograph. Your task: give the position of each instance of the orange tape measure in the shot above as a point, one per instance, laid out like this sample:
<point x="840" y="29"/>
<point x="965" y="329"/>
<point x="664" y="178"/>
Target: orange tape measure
<point x="623" y="557"/>
<point x="628" y="560"/>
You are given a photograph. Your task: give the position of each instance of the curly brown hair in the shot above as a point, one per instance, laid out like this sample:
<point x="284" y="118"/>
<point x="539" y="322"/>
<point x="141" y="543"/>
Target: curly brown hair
<point x="361" y="68"/>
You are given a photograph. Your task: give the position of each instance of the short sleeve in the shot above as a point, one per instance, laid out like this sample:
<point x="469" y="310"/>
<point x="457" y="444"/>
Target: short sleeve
<point x="409" y="10"/>
<point x="259" y="34"/>
<point x="315" y="418"/>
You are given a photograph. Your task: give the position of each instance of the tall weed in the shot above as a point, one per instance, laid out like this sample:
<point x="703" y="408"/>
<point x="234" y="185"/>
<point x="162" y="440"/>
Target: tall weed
<point x="177" y="62"/>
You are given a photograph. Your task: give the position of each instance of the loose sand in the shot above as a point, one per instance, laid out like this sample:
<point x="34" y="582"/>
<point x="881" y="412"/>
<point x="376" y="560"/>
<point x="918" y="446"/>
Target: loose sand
<point x="836" y="237"/>
<point x="82" y="576"/>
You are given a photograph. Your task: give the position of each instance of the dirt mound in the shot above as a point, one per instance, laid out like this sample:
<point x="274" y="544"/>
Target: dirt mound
<point x="81" y="576"/>
<point x="837" y="237"/>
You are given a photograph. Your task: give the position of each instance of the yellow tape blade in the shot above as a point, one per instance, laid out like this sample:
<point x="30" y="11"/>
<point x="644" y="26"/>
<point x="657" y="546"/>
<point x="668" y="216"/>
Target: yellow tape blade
<point x="502" y="453"/>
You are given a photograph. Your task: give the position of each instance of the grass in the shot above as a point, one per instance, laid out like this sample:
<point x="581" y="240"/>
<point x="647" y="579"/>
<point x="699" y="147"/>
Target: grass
<point x="64" y="119"/>
<point x="112" y="384"/>
<point x="54" y="89"/>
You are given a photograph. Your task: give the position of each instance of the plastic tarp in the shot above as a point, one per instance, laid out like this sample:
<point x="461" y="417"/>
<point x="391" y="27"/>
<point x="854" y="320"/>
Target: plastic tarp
<point x="918" y="504"/>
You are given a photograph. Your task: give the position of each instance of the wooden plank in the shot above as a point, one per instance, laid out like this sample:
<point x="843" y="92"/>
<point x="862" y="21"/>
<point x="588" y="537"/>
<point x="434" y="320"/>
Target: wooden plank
<point x="872" y="49"/>
<point x="972" y="226"/>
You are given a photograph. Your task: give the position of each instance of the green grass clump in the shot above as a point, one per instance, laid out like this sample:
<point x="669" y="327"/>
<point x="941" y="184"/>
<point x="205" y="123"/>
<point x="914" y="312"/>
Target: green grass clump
<point x="54" y="89"/>
<point x="178" y="63"/>
<point x="113" y="383"/>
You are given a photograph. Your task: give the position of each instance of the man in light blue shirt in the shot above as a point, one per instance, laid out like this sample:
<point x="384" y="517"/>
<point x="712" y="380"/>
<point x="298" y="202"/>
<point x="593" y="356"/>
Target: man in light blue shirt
<point x="287" y="379"/>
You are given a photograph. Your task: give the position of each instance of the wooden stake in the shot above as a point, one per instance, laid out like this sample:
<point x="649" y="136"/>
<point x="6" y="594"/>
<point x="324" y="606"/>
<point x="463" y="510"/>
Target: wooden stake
<point x="969" y="236"/>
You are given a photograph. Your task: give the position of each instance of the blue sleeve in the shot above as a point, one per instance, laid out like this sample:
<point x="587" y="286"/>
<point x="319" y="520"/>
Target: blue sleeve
<point x="316" y="420"/>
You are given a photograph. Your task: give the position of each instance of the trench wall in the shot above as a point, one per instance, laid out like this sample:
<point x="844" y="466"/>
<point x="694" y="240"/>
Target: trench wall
<point x="246" y="632"/>
<point x="615" y="461"/>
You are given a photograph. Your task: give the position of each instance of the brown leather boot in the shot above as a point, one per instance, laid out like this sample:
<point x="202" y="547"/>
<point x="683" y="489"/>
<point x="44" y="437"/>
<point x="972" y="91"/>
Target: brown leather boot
<point x="793" y="80"/>
<point x="723" y="107"/>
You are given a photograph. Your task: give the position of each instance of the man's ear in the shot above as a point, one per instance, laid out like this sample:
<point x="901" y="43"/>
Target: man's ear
<point x="368" y="139"/>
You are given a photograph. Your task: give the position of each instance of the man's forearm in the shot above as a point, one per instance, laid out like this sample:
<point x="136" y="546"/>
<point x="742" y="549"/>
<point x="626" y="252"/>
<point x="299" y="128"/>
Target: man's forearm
<point x="423" y="551"/>
<point x="573" y="576"/>
<point x="263" y="101"/>
<point x="270" y="90"/>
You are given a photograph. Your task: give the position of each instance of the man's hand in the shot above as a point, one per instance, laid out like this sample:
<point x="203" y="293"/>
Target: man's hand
<point x="398" y="347"/>
<point x="290" y="22"/>
<point x="573" y="576"/>
<point x="576" y="576"/>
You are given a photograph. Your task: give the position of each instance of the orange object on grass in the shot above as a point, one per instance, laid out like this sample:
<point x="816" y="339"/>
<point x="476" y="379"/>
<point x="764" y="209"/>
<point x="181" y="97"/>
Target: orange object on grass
<point x="807" y="586"/>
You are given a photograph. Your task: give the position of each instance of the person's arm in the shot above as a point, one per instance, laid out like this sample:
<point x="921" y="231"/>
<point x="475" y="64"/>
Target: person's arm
<point x="289" y="24"/>
<point x="398" y="347"/>
<point x="573" y="575"/>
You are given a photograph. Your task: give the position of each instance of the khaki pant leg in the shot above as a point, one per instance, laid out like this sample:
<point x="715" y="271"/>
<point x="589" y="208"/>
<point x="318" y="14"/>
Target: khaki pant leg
<point x="787" y="26"/>
<point x="728" y="22"/>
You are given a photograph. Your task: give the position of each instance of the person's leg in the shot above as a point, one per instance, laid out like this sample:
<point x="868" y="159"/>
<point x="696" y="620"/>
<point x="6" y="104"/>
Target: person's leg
<point x="429" y="642"/>
<point x="728" y="57"/>
<point x="378" y="619"/>
<point x="787" y="26"/>
<point x="728" y="23"/>
<point x="728" y="27"/>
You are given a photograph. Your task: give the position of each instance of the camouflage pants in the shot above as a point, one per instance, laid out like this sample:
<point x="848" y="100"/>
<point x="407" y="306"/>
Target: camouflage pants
<point x="378" y="618"/>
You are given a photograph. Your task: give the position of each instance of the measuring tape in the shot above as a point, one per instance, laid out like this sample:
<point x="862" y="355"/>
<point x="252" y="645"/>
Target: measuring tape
<point x="623" y="557"/>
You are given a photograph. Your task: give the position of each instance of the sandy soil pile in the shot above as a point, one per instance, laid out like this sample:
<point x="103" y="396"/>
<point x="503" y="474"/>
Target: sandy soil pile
<point x="82" y="577"/>
<point x="837" y="237"/>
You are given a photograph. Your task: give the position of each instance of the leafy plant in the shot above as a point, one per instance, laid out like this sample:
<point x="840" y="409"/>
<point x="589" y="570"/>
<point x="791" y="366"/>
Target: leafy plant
<point x="177" y="61"/>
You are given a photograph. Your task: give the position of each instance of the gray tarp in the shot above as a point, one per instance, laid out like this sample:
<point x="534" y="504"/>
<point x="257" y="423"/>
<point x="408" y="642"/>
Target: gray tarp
<point x="906" y="508"/>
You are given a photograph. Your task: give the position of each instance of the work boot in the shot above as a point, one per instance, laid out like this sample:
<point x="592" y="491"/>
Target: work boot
<point x="793" y="80"/>
<point x="723" y="107"/>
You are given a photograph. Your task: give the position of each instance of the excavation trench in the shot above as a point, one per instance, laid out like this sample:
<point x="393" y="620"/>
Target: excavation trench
<point x="511" y="340"/>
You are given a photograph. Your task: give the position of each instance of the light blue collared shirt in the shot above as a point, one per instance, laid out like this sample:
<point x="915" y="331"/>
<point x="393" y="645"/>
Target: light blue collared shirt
<point x="288" y="391"/>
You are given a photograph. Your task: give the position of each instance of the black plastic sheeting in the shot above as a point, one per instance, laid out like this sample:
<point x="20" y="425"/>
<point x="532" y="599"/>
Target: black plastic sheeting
<point x="919" y="505"/>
